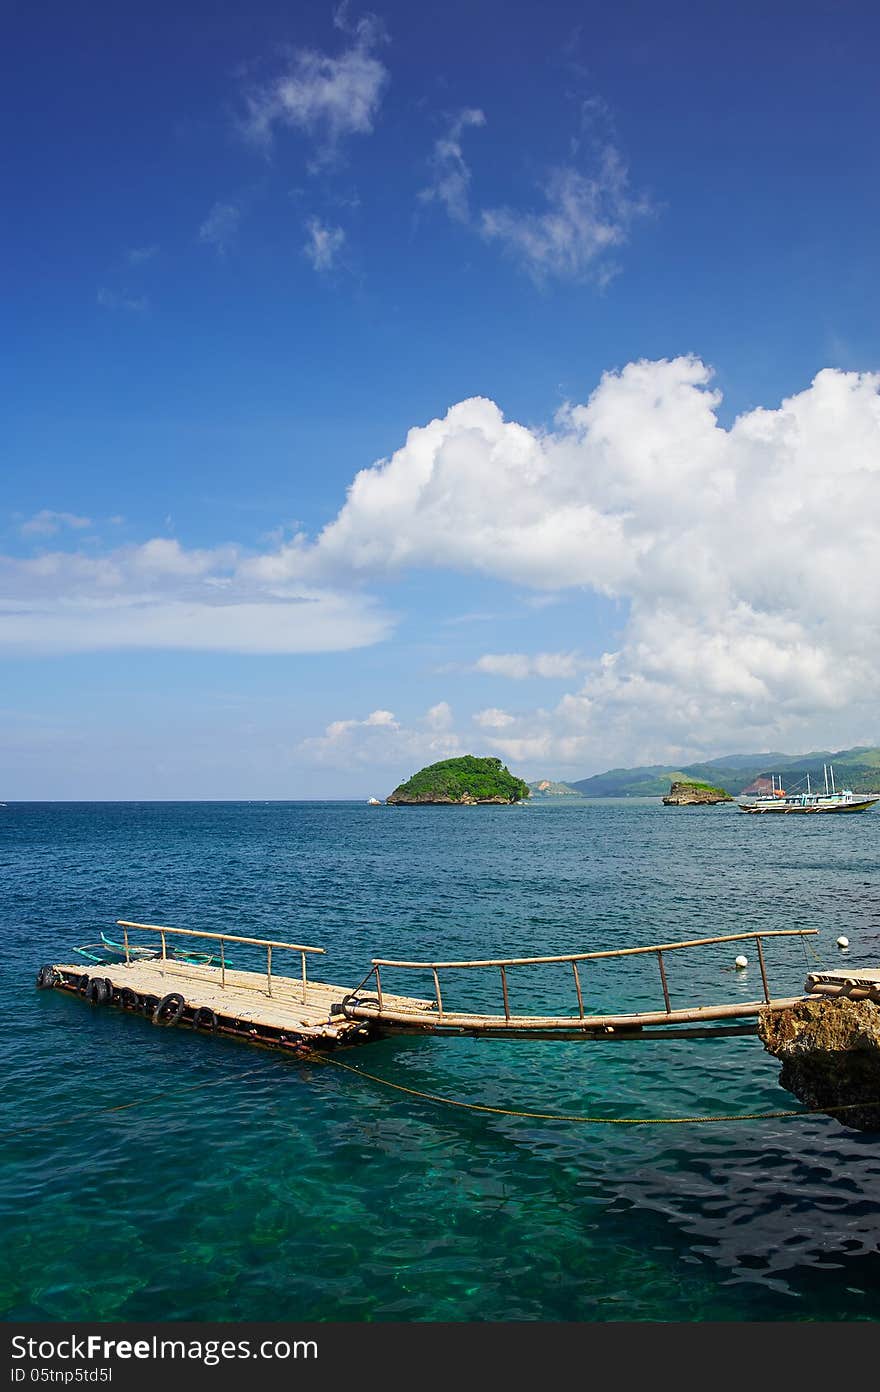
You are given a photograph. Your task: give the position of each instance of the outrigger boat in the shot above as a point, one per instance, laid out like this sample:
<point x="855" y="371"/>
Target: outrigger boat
<point x="109" y="951"/>
<point x="831" y="800"/>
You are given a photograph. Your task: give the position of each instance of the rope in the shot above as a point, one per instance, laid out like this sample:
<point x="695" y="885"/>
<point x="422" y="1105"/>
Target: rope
<point x="587" y="1120"/>
<point x="435" y="1097"/>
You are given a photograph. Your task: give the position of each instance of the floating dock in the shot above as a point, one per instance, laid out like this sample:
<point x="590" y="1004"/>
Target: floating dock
<point x="300" y="1013"/>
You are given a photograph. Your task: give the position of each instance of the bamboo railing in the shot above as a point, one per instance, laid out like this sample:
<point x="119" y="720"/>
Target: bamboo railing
<point x="571" y="959"/>
<point x="224" y="938"/>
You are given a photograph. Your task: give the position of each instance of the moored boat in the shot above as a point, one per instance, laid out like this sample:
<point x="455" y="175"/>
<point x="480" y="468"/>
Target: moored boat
<point x="832" y="799"/>
<point x="109" y="951"/>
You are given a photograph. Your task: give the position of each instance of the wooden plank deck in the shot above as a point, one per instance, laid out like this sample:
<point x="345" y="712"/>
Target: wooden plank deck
<point x="293" y="1012"/>
<point x="290" y="1012"/>
<point x="310" y="1013"/>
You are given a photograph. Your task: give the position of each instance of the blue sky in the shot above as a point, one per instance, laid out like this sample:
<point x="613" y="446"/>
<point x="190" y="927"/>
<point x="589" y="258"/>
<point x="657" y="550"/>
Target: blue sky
<point x="249" y="252"/>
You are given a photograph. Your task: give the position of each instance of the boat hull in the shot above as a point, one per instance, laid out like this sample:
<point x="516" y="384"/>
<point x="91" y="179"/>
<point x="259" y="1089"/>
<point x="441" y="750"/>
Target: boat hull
<point x="809" y="811"/>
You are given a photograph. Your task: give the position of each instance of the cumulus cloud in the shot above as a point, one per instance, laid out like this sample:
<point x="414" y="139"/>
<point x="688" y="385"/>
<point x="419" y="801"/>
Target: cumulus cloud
<point x="324" y="244"/>
<point x="380" y="740"/>
<point x="585" y="218"/>
<point x="522" y="665"/>
<point x="741" y="558"/>
<point x="220" y="227"/>
<point x="161" y="595"/>
<point x="46" y="522"/>
<point x="450" y="175"/>
<point x="493" y="719"/>
<point x="325" y="98"/>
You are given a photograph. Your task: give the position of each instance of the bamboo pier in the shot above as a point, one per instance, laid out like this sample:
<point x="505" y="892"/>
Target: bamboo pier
<point x="298" y="1011"/>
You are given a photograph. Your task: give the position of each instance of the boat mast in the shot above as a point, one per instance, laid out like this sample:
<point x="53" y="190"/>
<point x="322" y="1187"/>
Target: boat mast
<point x="825" y="771"/>
<point x="831" y="766"/>
<point x="808" y="785"/>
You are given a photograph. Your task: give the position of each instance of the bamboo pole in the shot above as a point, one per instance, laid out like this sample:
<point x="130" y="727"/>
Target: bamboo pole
<point x="593" y="956"/>
<point x="763" y="968"/>
<point x="127" y="950"/>
<point x="838" y="988"/>
<point x="438" y="995"/>
<point x="269" y="970"/>
<point x="531" y="1024"/>
<point x="663" y="980"/>
<point x="164" y="949"/>
<point x="230" y="937"/>
<point x="222" y="964"/>
<point x="378" y="985"/>
<point x="504" y="993"/>
<point x="577" y="987"/>
<point x="304" y="976"/>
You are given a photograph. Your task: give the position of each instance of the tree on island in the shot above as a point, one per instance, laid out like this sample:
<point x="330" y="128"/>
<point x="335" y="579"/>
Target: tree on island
<point x="465" y="781"/>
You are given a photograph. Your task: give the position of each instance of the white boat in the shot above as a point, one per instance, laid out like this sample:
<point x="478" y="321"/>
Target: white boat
<point x="373" y="802"/>
<point x="831" y="800"/>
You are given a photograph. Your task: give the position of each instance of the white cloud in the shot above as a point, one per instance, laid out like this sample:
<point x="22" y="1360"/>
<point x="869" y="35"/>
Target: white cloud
<point x="742" y="558"/>
<point x="522" y="665"/>
<point x="439" y="717"/>
<point x="493" y="719"/>
<point x="585" y="219"/>
<point x="324" y="244"/>
<point x="326" y="98"/>
<point x="450" y="175"/>
<point x="46" y="522"/>
<point x="381" y="741"/>
<point x="220" y="227"/>
<point x="377" y="719"/>
<point x="138" y="256"/>
<point x="160" y="595"/>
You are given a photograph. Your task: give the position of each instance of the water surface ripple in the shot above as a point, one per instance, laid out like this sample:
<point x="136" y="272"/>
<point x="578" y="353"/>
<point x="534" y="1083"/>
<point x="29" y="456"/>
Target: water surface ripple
<point x="251" y="1186"/>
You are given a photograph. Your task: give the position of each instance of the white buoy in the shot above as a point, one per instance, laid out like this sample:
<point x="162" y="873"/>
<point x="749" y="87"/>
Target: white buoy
<point x="843" y="942"/>
<point x="741" y="962"/>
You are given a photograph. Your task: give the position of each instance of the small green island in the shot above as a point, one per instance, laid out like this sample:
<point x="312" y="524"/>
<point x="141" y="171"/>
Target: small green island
<point x="693" y="794"/>
<point x="464" y="782"/>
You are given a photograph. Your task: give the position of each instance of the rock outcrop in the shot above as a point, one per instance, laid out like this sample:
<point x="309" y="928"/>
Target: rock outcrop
<point x="830" y="1054"/>
<point x="695" y="795"/>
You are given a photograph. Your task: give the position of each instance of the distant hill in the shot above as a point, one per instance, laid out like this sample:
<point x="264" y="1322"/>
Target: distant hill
<point x="547" y="788"/>
<point x="857" y="768"/>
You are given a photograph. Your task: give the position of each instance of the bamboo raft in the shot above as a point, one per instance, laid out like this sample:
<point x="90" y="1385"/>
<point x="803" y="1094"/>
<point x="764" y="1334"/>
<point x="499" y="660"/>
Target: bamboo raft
<point x="297" y="1012"/>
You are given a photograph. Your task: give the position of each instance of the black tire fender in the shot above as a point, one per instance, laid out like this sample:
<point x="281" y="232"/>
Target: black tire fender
<point x="82" y="983"/>
<point x="96" y="992"/>
<point x="204" y="1018"/>
<point x="47" y="977"/>
<point x="128" y="998"/>
<point x="169" y="1009"/>
<point x="149" y="1005"/>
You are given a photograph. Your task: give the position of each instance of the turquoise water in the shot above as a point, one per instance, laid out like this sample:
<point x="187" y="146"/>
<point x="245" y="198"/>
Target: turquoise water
<point x="252" y="1186"/>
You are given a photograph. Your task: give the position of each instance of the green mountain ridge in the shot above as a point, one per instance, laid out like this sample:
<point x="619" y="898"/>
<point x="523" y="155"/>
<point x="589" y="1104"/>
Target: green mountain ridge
<point x="551" y="788"/>
<point x="857" y="768"/>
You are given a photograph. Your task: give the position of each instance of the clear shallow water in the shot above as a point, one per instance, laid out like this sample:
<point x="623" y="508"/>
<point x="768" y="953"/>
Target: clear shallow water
<point x="277" y="1189"/>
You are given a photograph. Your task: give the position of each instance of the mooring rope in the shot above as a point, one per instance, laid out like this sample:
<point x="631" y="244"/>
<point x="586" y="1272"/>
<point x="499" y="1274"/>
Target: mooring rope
<point x="588" y="1120"/>
<point x="314" y="1057"/>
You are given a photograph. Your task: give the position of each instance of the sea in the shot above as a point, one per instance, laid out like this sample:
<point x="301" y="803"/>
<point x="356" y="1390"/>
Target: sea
<point x="157" y="1174"/>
